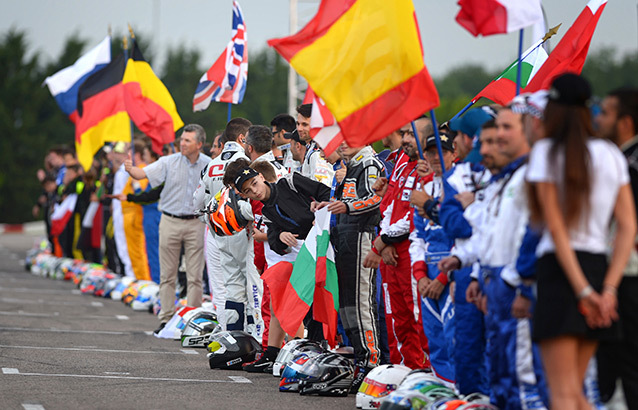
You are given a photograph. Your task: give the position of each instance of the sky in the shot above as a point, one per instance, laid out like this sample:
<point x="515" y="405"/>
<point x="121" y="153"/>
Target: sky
<point x="205" y="24"/>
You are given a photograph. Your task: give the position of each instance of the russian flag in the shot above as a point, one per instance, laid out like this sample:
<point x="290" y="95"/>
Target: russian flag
<point x="226" y="80"/>
<point x="64" y="84"/>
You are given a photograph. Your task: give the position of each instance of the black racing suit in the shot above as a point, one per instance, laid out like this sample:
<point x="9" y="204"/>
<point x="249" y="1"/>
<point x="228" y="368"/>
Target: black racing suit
<point x="352" y="238"/>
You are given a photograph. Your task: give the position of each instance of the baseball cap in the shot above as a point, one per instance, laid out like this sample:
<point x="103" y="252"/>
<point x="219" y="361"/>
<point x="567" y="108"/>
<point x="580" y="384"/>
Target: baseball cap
<point x="570" y="89"/>
<point x="471" y="122"/>
<point x="293" y="136"/>
<point x="530" y="103"/>
<point x="446" y="142"/>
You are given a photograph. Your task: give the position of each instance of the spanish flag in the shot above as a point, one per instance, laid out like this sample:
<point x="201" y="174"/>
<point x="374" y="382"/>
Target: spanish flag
<point x="364" y="58"/>
<point x="102" y="113"/>
<point x="148" y="102"/>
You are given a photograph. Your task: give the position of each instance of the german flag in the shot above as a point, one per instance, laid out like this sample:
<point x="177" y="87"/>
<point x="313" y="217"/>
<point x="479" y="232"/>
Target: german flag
<point x="148" y="102"/>
<point x="365" y="60"/>
<point x="102" y="111"/>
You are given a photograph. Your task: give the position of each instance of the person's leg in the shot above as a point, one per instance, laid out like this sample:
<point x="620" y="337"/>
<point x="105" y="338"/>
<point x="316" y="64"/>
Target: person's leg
<point x="216" y="277"/>
<point x="193" y="234"/>
<point x="232" y="252"/>
<point x="586" y="350"/>
<point x="442" y="365"/>
<point x="169" y="250"/>
<point x="560" y="359"/>
<point x="628" y="309"/>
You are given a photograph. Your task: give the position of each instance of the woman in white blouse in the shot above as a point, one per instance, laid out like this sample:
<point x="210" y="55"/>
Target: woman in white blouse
<point x="578" y="184"/>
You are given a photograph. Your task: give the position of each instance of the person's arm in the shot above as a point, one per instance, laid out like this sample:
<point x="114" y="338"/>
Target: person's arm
<point x="146" y="197"/>
<point x="310" y="188"/>
<point x="366" y="199"/>
<point x="134" y="172"/>
<point x="451" y="213"/>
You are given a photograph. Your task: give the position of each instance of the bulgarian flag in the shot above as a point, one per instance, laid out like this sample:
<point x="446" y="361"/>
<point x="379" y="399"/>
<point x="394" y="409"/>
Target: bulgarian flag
<point x="570" y="53"/>
<point x="364" y="58"/>
<point x="487" y="17"/>
<point x="503" y="88"/>
<point x="311" y="279"/>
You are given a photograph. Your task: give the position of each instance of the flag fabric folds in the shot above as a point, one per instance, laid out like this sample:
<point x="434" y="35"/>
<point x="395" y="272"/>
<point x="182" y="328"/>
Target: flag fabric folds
<point x="365" y="60"/>
<point x="148" y="102"/>
<point x="64" y="84"/>
<point x="226" y="80"/>
<point x="503" y="88"/>
<point x="571" y="51"/>
<point x="311" y="280"/>
<point x="102" y="112"/>
<point x="487" y="17"/>
<point x="323" y="126"/>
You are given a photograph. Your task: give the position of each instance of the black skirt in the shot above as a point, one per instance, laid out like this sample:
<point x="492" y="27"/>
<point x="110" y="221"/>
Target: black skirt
<point x="556" y="312"/>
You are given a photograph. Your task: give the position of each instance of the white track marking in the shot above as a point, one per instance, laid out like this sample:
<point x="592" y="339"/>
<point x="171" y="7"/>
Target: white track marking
<point x="26" y="406"/>
<point x="79" y="349"/>
<point x="54" y="330"/>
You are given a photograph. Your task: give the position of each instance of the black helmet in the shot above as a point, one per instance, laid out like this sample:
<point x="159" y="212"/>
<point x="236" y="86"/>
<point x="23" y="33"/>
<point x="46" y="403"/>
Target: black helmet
<point x="328" y="374"/>
<point x="231" y="349"/>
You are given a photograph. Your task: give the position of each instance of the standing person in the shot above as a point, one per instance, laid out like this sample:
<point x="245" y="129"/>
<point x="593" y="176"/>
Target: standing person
<point x="313" y="164"/>
<point x="582" y="182"/>
<point x="288" y="213"/>
<point x="179" y="226"/>
<point x="259" y="142"/>
<point x="282" y="124"/>
<point x="217" y="146"/>
<point x="618" y="121"/>
<point x="230" y="259"/>
<point x="357" y="215"/>
<point x="120" y="179"/>
<point x="392" y="246"/>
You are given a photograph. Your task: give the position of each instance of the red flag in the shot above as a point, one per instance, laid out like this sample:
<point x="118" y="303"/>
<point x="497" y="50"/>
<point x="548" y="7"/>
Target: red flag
<point x="487" y="17"/>
<point x="570" y="53"/>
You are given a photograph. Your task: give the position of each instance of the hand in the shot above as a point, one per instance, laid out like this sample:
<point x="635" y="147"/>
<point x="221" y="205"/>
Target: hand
<point x="465" y="198"/>
<point x="422" y="285"/>
<point x="473" y="292"/>
<point x="482" y="304"/>
<point x="423" y="168"/>
<point x="341" y="172"/>
<point x="434" y="290"/>
<point x="120" y="197"/>
<point x="35" y="211"/>
<point x="380" y="186"/>
<point x="389" y="255"/>
<point x="288" y="238"/>
<point x="521" y="307"/>
<point x="315" y="206"/>
<point x="591" y="307"/>
<point x="610" y="305"/>
<point x="40" y="174"/>
<point x="259" y="236"/>
<point x="372" y="260"/>
<point x="128" y="163"/>
<point x="94" y="197"/>
<point x="449" y="263"/>
<point x="452" y="289"/>
<point x="337" y="207"/>
<point x="418" y="198"/>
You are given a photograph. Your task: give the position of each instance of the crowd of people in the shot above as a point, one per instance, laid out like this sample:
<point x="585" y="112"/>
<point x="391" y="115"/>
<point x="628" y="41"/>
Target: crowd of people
<point x="505" y="262"/>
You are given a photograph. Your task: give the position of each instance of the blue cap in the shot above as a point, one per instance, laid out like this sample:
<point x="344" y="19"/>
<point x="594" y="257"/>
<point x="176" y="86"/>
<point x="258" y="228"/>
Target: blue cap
<point x="471" y="122"/>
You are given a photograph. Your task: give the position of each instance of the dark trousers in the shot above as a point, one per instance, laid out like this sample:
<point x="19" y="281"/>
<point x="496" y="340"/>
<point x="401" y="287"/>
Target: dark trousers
<point x="620" y="359"/>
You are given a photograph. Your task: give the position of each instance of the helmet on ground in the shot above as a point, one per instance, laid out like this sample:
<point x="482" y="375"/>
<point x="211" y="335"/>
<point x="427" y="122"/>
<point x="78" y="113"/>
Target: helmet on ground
<point x="198" y="329"/>
<point x="290" y="350"/>
<point x="124" y="283"/>
<point x="224" y="215"/>
<point x="130" y="293"/>
<point x="378" y="383"/>
<point x="328" y="374"/>
<point x="231" y="349"/>
<point x="291" y="374"/>
<point x="147" y="292"/>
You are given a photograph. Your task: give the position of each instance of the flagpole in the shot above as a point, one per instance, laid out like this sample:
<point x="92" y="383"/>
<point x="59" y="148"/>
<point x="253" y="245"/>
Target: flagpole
<point x="520" y="62"/>
<point x="228" y="116"/>
<point x="418" y="142"/>
<point x="125" y="46"/>
<point x="438" y="140"/>
<point x="467" y="107"/>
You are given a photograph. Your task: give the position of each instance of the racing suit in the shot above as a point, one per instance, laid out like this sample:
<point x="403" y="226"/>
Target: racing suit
<point x="429" y="243"/>
<point x="352" y="238"/>
<point x="469" y="329"/>
<point x="499" y="223"/>
<point x="401" y="298"/>
<point x="315" y="166"/>
<point x="232" y="274"/>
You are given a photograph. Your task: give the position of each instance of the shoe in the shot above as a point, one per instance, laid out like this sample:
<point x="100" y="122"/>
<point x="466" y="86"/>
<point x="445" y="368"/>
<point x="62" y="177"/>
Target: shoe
<point x="262" y="365"/>
<point x="360" y="373"/>
<point x="159" y="329"/>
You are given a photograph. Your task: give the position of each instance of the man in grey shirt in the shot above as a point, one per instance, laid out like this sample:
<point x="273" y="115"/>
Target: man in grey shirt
<point x="179" y="226"/>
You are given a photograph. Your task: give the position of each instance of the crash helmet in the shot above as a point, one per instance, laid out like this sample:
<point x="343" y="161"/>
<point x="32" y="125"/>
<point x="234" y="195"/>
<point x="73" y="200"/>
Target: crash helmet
<point x="291" y="373"/>
<point x="446" y="403"/>
<point x="198" y="329"/>
<point x="130" y="293"/>
<point x="224" y="215"/>
<point x="232" y="349"/>
<point x="124" y="283"/>
<point x="328" y="374"/>
<point x="378" y="383"/>
<point x="290" y="350"/>
<point x="419" y="378"/>
<point x="146" y="295"/>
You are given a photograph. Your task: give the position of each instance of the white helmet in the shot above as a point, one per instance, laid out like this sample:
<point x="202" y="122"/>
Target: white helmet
<point x="380" y="382"/>
<point x="198" y="329"/>
<point x="147" y="293"/>
<point x="290" y="350"/>
<point x="125" y="281"/>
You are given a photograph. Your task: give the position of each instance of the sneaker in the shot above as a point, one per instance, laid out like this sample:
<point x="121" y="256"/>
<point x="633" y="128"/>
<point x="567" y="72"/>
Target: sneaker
<point x="262" y="365"/>
<point x="159" y="329"/>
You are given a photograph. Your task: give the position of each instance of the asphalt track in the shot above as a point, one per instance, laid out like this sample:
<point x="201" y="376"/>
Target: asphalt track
<point x="60" y="349"/>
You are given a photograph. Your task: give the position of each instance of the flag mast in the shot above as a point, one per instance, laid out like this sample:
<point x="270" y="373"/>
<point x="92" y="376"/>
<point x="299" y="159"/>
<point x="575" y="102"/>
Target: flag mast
<point x="125" y="44"/>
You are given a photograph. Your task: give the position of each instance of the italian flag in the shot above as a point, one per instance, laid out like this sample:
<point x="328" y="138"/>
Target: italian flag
<point x="487" y="17"/>
<point x="503" y="88"/>
<point x="311" y="280"/>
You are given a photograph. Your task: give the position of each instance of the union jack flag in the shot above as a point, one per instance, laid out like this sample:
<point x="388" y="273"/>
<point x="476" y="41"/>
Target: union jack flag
<point x="226" y="80"/>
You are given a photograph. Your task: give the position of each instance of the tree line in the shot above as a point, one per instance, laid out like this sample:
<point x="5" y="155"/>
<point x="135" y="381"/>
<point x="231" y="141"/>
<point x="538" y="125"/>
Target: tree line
<point x="31" y="122"/>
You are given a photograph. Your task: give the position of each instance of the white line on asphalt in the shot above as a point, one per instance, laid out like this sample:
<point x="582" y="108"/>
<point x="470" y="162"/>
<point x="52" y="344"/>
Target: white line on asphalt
<point x="185" y="351"/>
<point x="57" y="314"/>
<point x="118" y="373"/>
<point x="26" y="406"/>
<point x="45" y="302"/>
<point x="30" y="290"/>
<point x="121" y="317"/>
<point x="76" y="292"/>
<point x="78" y="349"/>
<point x="148" y="332"/>
<point x="162" y="379"/>
<point x="100" y="332"/>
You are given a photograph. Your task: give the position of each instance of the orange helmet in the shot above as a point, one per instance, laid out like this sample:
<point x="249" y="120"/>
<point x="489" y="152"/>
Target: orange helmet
<point x="224" y="216"/>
